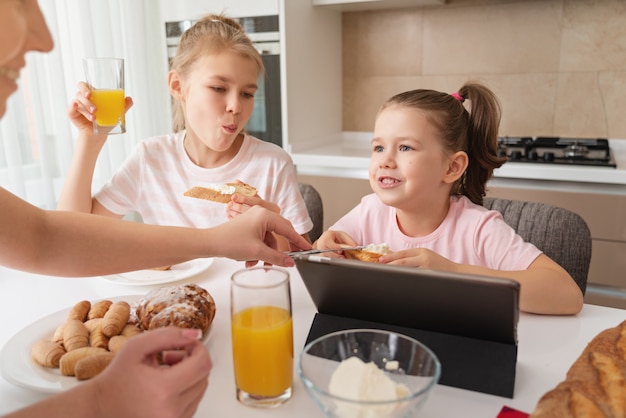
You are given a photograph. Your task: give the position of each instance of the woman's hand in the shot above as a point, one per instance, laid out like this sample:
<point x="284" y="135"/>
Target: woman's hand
<point x="81" y="110"/>
<point x="251" y="236"/>
<point x="419" y="257"/>
<point x="136" y="384"/>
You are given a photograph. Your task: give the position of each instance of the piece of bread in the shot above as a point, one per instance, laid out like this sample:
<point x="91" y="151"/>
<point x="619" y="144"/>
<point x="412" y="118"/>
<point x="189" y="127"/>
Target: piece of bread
<point x="370" y="254"/>
<point x="162" y="268"/>
<point x="184" y="305"/>
<point x="595" y="385"/>
<point x="221" y="193"/>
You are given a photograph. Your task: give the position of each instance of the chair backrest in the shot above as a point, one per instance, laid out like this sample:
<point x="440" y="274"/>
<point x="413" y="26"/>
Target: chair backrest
<point x="561" y="234"/>
<point x="315" y="207"/>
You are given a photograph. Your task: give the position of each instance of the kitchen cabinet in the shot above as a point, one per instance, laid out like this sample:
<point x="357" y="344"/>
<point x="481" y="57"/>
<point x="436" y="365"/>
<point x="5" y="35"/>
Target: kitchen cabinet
<point x="175" y="11"/>
<point x="311" y="76"/>
<point x="604" y="214"/>
<point x="353" y="5"/>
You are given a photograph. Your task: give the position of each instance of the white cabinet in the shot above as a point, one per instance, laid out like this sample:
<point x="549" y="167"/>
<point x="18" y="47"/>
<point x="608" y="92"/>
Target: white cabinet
<point x="311" y="76"/>
<point x="352" y="5"/>
<point x="178" y="10"/>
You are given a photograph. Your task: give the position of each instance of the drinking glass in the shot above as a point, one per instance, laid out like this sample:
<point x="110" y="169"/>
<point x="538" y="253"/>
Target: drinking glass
<point x="262" y="336"/>
<point x="105" y="77"/>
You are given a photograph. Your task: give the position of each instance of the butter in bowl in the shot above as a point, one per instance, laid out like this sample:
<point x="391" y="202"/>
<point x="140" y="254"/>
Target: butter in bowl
<point x="368" y="373"/>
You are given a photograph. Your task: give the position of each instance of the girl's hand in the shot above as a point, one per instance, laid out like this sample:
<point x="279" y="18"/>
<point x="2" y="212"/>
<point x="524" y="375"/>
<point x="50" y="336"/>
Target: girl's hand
<point x="240" y="204"/>
<point x="81" y="110"/>
<point x="334" y="239"/>
<point x="419" y="257"/>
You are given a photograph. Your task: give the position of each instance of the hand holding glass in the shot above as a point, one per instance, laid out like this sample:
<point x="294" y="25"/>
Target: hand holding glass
<point x="262" y="336"/>
<point x="105" y="77"/>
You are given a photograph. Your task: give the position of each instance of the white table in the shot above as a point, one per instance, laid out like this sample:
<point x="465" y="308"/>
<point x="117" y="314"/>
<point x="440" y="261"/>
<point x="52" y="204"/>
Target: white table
<point x="547" y="344"/>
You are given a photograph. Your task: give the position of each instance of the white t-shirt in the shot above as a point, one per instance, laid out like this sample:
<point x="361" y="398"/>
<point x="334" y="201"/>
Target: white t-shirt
<point x="153" y="179"/>
<point x="470" y="234"/>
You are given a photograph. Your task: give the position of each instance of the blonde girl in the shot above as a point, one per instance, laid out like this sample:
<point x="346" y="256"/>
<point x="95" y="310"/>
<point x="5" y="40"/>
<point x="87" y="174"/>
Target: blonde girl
<point x="213" y="80"/>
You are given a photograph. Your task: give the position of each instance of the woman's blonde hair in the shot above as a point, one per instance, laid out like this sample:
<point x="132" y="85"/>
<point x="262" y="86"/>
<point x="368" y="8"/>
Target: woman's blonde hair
<point x="212" y="34"/>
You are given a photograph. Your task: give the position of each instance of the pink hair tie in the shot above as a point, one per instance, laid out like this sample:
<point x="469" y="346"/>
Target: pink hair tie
<point x="458" y="97"/>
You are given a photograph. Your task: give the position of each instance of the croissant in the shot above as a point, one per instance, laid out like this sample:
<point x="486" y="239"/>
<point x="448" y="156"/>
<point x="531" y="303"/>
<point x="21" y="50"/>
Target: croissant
<point x="116" y="318"/>
<point x="117" y="342"/>
<point x="129" y="330"/>
<point x="69" y="359"/>
<point x="79" y="311"/>
<point x="90" y="366"/>
<point x="96" y="336"/>
<point x="75" y="335"/>
<point x="99" y="308"/>
<point x="47" y="353"/>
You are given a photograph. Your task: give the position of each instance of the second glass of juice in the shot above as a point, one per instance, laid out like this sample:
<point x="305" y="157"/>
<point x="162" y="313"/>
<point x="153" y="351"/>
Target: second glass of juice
<point x="262" y="336"/>
<point x="105" y="77"/>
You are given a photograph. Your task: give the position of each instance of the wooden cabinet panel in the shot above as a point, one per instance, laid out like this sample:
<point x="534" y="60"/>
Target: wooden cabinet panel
<point x="605" y="215"/>
<point x="608" y="264"/>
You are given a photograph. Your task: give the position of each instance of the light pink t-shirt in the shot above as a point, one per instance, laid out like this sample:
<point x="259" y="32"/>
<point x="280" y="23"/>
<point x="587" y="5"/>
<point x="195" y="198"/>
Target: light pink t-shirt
<point x="154" y="177"/>
<point x="470" y="234"/>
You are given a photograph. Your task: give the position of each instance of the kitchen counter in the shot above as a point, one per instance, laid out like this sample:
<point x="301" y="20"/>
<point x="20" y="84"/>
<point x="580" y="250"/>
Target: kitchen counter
<point x="348" y="154"/>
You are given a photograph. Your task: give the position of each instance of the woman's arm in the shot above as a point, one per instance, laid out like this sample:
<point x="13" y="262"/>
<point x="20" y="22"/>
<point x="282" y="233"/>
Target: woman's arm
<point x="64" y="243"/>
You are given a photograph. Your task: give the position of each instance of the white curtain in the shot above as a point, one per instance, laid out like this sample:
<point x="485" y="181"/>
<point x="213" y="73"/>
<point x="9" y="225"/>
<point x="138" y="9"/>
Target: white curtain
<point x="36" y="137"/>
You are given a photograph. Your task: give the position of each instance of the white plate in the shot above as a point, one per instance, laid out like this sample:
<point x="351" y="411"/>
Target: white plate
<point x="149" y="277"/>
<point x="18" y="367"/>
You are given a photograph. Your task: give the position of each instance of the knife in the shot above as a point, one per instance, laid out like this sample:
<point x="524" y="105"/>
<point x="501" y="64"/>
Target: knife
<point x="308" y="252"/>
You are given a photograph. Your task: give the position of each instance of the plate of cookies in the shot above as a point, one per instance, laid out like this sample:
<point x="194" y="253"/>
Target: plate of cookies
<point x="161" y="275"/>
<point x="61" y="350"/>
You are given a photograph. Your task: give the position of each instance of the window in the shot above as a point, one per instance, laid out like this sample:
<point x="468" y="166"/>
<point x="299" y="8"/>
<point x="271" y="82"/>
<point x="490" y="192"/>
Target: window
<point x="36" y="137"/>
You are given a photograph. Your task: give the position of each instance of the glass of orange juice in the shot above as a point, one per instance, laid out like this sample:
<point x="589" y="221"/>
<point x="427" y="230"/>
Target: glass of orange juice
<point x="262" y="336"/>
<point x="105" y="77"/>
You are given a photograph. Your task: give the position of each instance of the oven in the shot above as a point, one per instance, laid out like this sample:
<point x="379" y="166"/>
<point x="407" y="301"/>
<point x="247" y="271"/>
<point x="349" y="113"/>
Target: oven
<point x="266" y="120"/>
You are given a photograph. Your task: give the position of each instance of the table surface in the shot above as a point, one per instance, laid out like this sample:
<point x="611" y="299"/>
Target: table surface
<point x="548" y="345"/>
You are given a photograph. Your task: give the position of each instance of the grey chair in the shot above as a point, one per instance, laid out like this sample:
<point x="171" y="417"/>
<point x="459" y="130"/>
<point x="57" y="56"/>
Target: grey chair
<point x="315" y="208"/>
<point x="561" y="234"/>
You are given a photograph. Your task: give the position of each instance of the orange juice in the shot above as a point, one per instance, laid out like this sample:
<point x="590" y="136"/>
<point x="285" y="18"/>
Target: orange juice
<point x="109" y="106"/>
<point x="263" y="350"/>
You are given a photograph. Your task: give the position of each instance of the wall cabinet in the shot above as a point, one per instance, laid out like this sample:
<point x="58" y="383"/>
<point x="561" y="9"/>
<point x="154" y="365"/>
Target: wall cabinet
<point x="311" y="76"/>
<point x="175" y="11"/>
<point x="353" y="5"/>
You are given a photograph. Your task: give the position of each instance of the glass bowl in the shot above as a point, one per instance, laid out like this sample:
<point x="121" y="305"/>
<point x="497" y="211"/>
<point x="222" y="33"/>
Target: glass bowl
<point x="392" y="379"/>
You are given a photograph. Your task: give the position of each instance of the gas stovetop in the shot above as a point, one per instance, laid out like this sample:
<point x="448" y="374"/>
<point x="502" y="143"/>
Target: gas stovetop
<point x="554" y="150"/>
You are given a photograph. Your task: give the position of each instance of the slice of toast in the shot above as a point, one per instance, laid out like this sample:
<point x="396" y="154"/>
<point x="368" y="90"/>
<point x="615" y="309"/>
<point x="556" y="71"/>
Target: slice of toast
<point x="221" y="193"/>
<point x="370" y="254"/>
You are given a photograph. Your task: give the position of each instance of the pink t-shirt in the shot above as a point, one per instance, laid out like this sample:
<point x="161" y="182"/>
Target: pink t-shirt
<point x="153" y="179"/>
<point x="470" y="234"/>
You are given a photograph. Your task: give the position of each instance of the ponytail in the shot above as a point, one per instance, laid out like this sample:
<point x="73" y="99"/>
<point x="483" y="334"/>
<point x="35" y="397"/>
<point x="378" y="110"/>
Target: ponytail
<point x="482" y="141"/>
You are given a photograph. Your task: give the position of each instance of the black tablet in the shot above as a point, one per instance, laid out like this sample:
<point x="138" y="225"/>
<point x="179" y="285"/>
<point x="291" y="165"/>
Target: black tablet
<point x="466" y="305"/>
